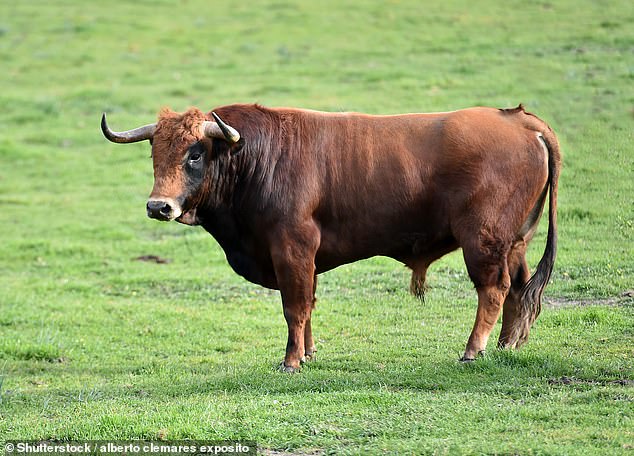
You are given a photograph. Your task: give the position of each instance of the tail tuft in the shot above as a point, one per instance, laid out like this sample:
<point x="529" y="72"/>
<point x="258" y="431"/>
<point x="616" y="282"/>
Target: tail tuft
<point x="531" y="293"/>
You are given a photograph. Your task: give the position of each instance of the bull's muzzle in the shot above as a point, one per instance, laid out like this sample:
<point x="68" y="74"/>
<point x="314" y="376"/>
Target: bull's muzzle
<point x="163" y="209"/>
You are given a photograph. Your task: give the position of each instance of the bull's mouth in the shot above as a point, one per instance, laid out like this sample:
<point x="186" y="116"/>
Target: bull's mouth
<point x="188" y="218"/>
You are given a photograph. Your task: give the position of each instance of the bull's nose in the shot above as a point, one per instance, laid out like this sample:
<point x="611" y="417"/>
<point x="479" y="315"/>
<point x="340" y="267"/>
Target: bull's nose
<point x="160" y="210"/>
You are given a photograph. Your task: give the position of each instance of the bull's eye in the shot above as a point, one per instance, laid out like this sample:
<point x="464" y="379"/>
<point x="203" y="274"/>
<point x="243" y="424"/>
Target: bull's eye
<point x="195" y="157"/>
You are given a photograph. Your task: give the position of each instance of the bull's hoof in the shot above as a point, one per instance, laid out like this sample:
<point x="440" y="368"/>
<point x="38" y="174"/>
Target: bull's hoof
<point x="509" y="339"/>
<point x="469" y="359"/>
<point x="288" y="369"/>
<point x="506" y="345"/>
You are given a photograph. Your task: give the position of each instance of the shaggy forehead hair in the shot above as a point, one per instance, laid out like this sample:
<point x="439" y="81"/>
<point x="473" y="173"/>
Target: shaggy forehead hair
<point x="175" y="131"/>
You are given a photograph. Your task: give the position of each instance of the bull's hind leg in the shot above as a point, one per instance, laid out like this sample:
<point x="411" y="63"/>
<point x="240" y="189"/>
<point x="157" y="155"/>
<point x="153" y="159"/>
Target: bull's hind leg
<point x="488" y="269"/>
<point x="309" y="344"/>
<point x="512" y="314"/>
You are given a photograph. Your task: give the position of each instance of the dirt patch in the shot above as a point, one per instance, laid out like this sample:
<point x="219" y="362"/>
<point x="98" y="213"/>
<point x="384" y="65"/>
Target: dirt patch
<point x="153" y="259"/>
<point x="623" y="299"/>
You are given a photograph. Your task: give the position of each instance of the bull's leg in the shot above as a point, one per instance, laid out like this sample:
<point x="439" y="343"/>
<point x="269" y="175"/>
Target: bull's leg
<point x="309" y="344"/>
<point x="488" y="269"/>
<point x="512" y="314"/>
<point x="297" y="302"/>
<point x="294" y="261"/>
<point x="490" y="299"/>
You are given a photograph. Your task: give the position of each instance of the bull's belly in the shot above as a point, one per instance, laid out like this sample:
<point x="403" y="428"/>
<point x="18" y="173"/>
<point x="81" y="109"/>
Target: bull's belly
<point x="411" y="244"/>
<point x="408" y="247"/>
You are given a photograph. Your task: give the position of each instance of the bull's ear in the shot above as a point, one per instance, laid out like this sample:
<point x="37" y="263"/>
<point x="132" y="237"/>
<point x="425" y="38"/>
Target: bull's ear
<point x="236" y="148"/>
<point x="221" y="147"/>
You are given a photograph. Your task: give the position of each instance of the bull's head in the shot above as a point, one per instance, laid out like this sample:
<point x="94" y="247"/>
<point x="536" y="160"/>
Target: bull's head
<point x="181" y="144"/>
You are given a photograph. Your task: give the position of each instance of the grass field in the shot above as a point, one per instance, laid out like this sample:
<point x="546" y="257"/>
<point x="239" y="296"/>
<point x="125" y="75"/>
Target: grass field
<point x="96" y="345"/>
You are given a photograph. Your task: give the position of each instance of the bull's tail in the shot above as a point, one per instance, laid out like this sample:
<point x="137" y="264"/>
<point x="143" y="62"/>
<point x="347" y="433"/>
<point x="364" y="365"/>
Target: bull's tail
<point x="531" y="293"/>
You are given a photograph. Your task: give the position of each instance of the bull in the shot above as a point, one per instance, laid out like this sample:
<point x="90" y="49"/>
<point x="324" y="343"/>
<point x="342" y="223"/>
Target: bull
<point x="291" y="193"/>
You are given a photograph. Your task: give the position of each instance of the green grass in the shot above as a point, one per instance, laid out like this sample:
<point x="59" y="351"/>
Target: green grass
<point x="96" y="345"/>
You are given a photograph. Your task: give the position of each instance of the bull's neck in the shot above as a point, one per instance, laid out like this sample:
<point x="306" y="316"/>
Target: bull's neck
<point x="246" y="180"/>
<point x="220" y="184"/>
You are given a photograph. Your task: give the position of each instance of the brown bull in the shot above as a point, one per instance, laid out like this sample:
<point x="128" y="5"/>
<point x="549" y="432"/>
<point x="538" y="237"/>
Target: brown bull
<point x="291" y="193"/>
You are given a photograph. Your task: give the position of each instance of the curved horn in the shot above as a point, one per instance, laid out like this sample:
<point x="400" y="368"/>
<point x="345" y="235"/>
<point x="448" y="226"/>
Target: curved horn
<point x="219" y="129"/>
<point x="130" y="136"/>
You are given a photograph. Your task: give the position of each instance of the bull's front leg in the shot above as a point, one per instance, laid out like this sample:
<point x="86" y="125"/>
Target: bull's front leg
<point x="293" y="255"/>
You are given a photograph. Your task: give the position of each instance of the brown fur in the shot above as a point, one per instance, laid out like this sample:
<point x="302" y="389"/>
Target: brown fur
<point x="304" y="192"/>
<point x="174" y="133"/>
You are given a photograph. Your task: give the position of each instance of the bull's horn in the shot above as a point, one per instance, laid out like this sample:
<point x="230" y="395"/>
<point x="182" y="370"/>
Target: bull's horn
<point x="219" y="129"/>
<point x="130" y="136"/>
